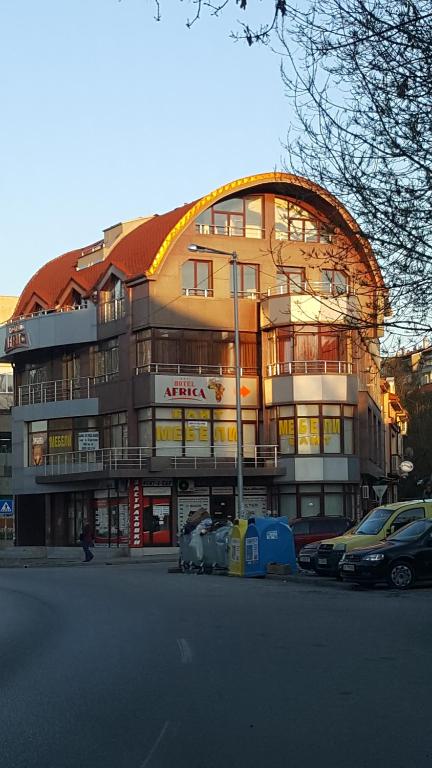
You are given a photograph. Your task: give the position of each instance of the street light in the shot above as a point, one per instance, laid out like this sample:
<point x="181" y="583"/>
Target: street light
<point x="234" y="261"/>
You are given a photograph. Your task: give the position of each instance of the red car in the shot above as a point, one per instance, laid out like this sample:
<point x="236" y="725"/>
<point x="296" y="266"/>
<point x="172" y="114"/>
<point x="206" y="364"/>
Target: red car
<point x="306" y="530"/>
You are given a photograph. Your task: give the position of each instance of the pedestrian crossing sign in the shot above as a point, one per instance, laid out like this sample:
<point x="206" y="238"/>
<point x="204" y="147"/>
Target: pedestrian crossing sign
<point x="6" y="507"/>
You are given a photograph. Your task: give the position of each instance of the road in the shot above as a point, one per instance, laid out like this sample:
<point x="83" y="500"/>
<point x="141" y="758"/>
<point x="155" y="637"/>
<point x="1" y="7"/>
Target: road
<point x="131" y="667"/>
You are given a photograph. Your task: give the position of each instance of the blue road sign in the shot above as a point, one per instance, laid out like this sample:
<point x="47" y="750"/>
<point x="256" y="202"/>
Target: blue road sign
<point x="6" y="508"/>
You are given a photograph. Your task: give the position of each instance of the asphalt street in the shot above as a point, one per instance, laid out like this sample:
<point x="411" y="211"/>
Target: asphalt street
<point x="132" y="667"/>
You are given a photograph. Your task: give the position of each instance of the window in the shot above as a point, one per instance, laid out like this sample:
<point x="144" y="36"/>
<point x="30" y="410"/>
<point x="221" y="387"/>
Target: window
<point x="112" y="303"/>
<point x="104" y="360"/>
<point x="234" y="216"/>
<point x="6" y="383"/>
<point x="143" y="349"/>
<point x="292" y="222"/>
<point x="307" y="343"/>
<point x="115" y="430"/>
<point x="316" y="429"/>
<point x="197" y="278"/>
<point x="408" y="516"/>
<point x="334" y="282"/>
<point x="247" y="276"/>
<point x="291" y="280"/>
<point x="193" y="349"/>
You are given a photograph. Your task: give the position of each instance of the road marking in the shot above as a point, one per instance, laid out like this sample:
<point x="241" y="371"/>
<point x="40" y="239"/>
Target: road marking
<point x="185" y="650"/>
<point x="155" y="745"/>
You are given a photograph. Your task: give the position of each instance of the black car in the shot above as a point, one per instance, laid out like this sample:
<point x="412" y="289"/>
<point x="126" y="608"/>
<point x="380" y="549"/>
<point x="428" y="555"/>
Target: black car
<point x="401" y="560"/>
<point x="308" y="555"/>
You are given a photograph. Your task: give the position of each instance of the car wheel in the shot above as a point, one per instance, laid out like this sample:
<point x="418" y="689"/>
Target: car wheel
<point x="401" y="575"/>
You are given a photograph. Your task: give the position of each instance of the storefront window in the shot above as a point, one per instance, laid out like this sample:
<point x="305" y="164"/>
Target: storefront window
<point x="316" y="429"/>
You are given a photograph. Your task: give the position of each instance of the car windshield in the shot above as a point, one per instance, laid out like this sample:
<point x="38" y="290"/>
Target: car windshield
<point x="374" y="521"/>
<point x="411" y="531"/>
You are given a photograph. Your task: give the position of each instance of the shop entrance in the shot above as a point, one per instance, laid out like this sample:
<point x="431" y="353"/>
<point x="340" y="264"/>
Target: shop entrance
<point x="222" y="507"/>
<point x="111" y="516"/>
<point x="157" y="521"/>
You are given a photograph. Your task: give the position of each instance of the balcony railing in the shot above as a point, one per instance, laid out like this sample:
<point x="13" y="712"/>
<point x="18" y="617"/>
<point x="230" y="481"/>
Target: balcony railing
<point x="42" y="312"/>
<point x="231" y="230"/>
<point x="54" y="391"/>
<point x="205" y="292"/>
<point x="111" y="310"/>
<point x="181" y="369"/>
<point x="114" y="459"/>
<point x="309" y="367"/>
<point x="314" y="288"/>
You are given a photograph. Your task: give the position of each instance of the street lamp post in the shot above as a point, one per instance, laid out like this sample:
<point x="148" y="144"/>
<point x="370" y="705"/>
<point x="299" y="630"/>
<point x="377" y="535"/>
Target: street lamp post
<point x="234" y="261"/>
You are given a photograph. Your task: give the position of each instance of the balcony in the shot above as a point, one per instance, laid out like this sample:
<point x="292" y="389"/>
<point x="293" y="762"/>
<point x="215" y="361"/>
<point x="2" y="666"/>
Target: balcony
<point x="181" y="369"/>
<point x="56" y="391"/>
<point x="128" y="461"/>
<point x="48" y="328"/>
<point x="315" y="304"/>
<point x="310" y="368"/>
<point x="230" y="230"/>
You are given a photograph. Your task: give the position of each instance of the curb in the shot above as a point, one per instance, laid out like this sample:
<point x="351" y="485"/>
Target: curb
<point x="76" y="563"/>
<point x="298" y="578"/>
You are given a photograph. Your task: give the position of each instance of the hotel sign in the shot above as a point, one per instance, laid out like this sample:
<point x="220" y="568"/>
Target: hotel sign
<point x="204" y="390"/>
<point x="16" y="337"/>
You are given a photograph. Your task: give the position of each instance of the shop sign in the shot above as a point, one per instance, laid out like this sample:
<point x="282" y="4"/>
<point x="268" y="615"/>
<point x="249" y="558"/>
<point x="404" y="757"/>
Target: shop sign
<point x="60" y="441"/>
<point x="255" y="506"/>
<point x="16" y="337"/>
<point x="188" y="504"/>
<point x="204" y="390"/>
<point x="152" y="490"/>
<point x="223" y="490"/>
<point x="136" y="538"/>
<point x="309" y="430"/>
<point x="88" y="441"/>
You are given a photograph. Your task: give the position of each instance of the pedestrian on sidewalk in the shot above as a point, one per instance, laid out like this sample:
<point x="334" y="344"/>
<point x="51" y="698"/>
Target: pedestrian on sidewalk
<point x="87" y="542"/>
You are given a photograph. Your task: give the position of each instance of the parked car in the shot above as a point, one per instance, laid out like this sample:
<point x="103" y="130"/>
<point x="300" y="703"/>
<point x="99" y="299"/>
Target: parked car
<point x="376" y="526"/>
<point x="308" y="555"/>
<point x="401" y="560"/>
<point x="309" y="529"/>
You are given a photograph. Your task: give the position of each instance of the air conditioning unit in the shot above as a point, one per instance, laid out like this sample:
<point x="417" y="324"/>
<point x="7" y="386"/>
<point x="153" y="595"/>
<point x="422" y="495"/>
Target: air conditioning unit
<point x="185" y="486"/>
<point x="365" y="491"/>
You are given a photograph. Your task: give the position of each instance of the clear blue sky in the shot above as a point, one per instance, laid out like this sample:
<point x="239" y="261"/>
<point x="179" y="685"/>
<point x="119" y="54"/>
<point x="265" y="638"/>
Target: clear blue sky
<point x="108" y="115"/>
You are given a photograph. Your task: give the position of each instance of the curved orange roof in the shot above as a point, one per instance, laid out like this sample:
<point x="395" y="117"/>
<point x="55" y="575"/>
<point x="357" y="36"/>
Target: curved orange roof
<point x="143" y="249"/>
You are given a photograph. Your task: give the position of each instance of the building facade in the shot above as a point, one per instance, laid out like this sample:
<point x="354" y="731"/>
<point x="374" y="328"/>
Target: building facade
<point x="124" y="360"/>
<point x="7" y="306"/>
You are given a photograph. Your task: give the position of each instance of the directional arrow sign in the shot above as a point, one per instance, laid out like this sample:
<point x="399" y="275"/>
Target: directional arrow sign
<point x="379" y="491"/>
<point x="244" y="391"/>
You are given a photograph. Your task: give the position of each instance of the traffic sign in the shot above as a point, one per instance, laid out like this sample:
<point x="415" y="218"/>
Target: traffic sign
<point x="379" y="491"/>
<point x="6" y="507"/>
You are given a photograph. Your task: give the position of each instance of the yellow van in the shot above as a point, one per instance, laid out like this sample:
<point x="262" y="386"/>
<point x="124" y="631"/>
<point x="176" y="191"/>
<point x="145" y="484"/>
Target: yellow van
<point x="376" y="526"/>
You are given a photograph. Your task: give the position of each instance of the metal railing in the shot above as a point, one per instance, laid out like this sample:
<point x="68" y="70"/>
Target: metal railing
<point x="230" y="230"/>
<point x="312" y="288"/>
<point x="194" y="370"/>
<point x="114" y="309"/>
<point x="206" y="292"/>
<point x="309" y="367"/>
<point x="113" y="459"/>
<point x="54" y="391"/>
<point x="42" y="312"/>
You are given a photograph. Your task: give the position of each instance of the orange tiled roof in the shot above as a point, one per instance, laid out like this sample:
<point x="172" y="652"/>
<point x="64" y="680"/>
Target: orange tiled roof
<point x="132" y="255"/>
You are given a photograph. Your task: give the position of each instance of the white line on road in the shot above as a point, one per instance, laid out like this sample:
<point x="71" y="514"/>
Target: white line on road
<point x="155" y="745"/>
<point x="185" y="650"/>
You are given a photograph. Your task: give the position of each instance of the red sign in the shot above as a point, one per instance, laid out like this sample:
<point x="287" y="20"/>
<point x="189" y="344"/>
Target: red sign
<point x="136" y="534"/>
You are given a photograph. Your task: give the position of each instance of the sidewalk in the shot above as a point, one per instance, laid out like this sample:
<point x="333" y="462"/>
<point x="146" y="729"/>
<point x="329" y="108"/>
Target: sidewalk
<point x="43" y="557"/>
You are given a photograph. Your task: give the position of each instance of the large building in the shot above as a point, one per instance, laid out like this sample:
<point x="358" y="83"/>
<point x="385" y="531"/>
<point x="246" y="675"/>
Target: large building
<point x="7" y="306"/>
<point x="125" y="369"/>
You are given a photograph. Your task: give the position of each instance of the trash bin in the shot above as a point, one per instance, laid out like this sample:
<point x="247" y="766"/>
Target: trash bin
<point x="236" y="560"/>
<point x="268" y="540"/>
<point x="215" y="544"/>
<point x="192" y="548"/>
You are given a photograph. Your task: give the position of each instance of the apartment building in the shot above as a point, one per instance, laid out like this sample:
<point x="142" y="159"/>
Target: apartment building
<point x="7" y="306"/>
<point x="123" y="351"/>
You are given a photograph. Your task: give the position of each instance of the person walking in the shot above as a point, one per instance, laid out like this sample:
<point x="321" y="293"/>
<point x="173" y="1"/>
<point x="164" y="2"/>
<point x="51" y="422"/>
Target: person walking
<point x="87" y="542"/>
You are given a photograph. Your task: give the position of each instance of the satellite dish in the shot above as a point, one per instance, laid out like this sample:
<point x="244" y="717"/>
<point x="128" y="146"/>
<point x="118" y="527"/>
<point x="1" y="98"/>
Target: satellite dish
<point x="406" y="466"/>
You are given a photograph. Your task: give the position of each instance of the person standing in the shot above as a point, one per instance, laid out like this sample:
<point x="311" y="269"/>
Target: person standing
<point x="87" y="542"/>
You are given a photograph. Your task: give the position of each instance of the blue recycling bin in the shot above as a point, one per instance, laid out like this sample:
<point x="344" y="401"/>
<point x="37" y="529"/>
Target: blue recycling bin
<point x="268" y="540"/>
